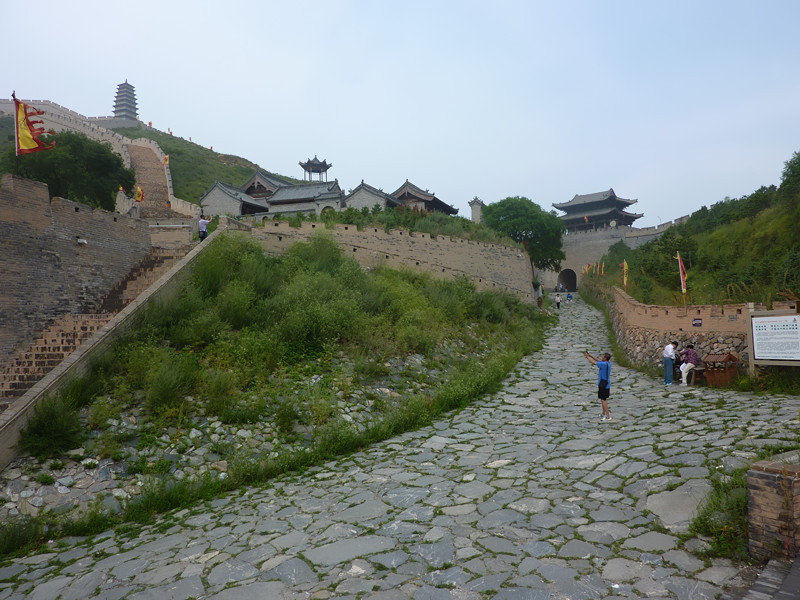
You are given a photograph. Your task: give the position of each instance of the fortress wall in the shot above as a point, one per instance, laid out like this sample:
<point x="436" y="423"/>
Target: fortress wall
<point x="643" y="330"/>
<point x="488" y="266"/>
<point x="47" y="272"/>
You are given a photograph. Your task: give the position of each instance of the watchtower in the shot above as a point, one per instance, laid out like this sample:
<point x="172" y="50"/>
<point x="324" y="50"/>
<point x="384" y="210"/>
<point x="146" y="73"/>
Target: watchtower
<point x="589" y="212"/>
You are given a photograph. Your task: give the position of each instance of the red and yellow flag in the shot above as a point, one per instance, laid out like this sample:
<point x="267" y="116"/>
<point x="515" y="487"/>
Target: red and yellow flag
<point x="166" y="159"/>
<point x="27" y="136"/>
<point x="139" y="194"/>
<point x="625" y="273"/>
<point x="682" y="271"/>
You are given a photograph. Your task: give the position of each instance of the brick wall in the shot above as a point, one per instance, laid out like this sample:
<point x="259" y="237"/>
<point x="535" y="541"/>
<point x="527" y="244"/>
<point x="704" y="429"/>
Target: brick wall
<point x="773" y="498"/>
<point x="48" y="270"/>
<point x="489" y="266"/>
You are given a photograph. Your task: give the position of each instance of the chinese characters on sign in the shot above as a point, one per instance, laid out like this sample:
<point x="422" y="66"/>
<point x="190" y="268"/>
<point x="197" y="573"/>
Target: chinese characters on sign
<point x="776" y="338"/>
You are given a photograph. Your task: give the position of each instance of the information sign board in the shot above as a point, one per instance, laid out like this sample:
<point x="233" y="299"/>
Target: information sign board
<point x="776" y="338"/>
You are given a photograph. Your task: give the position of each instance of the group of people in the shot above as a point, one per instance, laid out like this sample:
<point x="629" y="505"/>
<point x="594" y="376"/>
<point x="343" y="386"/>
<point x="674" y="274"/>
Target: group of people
<point x="688" y="356"/>
<point x="688" y="360"/>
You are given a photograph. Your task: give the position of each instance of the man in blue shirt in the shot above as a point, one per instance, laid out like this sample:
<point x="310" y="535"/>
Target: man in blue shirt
<point x="603" y="381"/>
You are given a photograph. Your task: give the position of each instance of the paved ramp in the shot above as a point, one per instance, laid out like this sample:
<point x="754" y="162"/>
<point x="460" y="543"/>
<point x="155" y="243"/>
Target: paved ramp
<point x="524" y="495"/>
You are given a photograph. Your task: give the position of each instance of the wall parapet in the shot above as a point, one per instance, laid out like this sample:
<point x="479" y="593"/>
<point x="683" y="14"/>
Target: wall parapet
<point x="489" y="266"/>
<point x="642" y="330"/>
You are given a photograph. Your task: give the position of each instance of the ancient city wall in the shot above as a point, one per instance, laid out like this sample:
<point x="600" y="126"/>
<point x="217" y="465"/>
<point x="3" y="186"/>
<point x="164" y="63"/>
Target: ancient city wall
<point x="489" y="266"/>
<point x="59" y="118"/>
<point x="643" y="330"/>
<point x="59" y="257"/>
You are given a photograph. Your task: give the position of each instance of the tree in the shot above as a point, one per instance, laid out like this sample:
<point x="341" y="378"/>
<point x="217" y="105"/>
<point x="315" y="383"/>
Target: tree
<point x="78" y="168"/>
<point x="524" y="221"/>
<point x="789" y="190"/>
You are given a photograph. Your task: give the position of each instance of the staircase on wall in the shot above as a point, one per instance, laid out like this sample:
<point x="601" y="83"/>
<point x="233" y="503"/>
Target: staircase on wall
<point x="70" y="331"/>
<point x="152" y="178"/>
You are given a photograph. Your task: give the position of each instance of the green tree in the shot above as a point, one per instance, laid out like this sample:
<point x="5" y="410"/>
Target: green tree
<point x="78" y="168"/>
<point x="789" y="190"/>
<point x="524" y="221"/>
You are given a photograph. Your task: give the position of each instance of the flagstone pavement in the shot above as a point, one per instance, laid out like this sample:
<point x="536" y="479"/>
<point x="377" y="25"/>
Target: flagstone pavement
<point x="522" y="495"/>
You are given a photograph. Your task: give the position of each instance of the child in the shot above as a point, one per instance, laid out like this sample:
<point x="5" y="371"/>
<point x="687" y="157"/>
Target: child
<point x="603" y="381"/>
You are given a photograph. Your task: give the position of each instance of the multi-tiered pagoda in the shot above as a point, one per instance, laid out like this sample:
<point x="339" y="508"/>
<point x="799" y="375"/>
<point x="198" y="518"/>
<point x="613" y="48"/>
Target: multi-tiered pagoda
<point x="597" y="211"/>
<point x="125" y="102"/>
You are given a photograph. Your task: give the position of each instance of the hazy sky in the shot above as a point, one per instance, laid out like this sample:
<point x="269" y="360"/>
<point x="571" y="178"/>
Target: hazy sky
<point x="677" y="104"/>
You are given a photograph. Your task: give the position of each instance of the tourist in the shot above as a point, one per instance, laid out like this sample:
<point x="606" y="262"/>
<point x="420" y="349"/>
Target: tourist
<point x="558" y="300"/>
<point x="669" y="361"/>
<point x="603" y="381"/>
<point x="202" y="226"/>
<point x="690" y="360"/>
<point x="569" y="297"/>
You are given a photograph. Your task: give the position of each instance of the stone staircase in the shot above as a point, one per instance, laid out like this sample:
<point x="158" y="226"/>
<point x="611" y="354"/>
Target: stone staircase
<point x="54" y="345"/>
<point x="157" y="262"/>
<point x="69" y="331"/>
<point x="152" y="178"/>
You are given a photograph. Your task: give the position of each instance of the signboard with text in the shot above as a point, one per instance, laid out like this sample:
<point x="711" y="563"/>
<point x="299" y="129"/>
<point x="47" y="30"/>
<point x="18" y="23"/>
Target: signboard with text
<point x="776" y="337"/>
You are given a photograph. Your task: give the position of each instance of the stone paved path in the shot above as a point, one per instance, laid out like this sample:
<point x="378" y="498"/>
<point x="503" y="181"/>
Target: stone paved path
<point x="524" y="495"/>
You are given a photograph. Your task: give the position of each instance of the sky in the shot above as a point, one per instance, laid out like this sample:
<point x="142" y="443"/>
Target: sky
<point x="676" y="104"/>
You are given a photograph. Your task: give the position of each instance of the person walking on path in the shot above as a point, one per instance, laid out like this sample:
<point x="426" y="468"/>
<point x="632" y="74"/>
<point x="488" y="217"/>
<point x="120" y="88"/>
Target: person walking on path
<point x="669" y="361"/>
<point x="690" y="360"/>
<point x="603" y="381"/>
<point x="558" y="300"/>
<point x="202" y="227"/>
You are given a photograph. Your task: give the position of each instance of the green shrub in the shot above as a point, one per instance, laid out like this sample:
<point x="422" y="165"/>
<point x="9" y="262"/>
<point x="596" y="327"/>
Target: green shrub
<point x="723" y="516"/>
<point x="287" y="414"/>
<point x="490" y="306"/>
<point x="45" y="479"/>
<point x="171" y="381"/>
<point x="234" y="303"/>
<point x="220" y="389"/>
<point x="19" y="533"/>
<point x="54" y="428"/>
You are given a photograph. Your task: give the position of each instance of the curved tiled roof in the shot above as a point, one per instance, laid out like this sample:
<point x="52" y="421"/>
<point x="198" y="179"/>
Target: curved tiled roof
<point x="580" y="200"/>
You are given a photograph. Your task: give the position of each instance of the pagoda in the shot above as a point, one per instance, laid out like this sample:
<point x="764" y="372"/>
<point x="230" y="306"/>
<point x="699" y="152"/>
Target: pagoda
<point x="125" y="102"/>
<point x="315" y="165"/>
<point x="600" y="210"/>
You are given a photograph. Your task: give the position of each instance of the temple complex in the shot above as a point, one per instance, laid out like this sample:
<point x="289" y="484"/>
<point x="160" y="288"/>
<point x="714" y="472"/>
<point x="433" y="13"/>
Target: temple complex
<point x="600" y="210"/>
<point x="125" y="102"/>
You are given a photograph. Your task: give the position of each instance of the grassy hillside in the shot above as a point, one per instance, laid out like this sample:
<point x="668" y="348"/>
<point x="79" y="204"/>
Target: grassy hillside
<point x="195" y="168"/>
<point x="737" y="250"/>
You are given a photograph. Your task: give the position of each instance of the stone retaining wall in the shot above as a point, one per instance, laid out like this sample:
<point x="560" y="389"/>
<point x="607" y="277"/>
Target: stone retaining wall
<point x="773" y="497"/>
<point x="643" y="330"/>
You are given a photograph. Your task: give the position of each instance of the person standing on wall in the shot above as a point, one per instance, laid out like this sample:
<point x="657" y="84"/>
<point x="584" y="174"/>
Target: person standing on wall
<point x="603" y="381"/>
<point x="558" y="300"/>
<point x="669" y="361"/>
<point x="202" y="227"/>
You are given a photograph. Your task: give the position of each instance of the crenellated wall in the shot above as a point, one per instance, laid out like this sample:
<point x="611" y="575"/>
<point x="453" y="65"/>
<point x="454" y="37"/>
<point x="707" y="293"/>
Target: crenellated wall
<point x="643" y="330"/>
<point x="489" y="266"/>
<point x="59" y="257"/>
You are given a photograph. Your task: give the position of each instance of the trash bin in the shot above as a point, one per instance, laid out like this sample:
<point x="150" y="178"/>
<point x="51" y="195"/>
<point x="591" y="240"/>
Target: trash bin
<point x="720" y="369"/>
